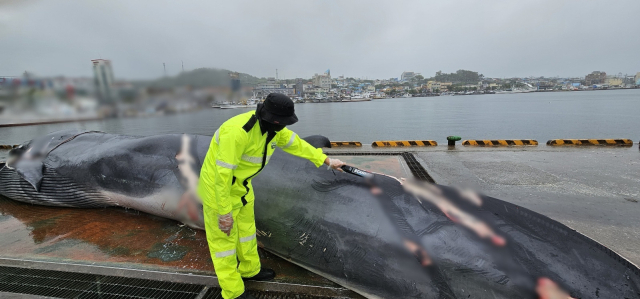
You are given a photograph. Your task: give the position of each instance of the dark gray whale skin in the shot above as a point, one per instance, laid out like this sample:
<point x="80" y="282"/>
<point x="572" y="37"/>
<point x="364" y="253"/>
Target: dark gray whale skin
<point x="328" y="222"/>
<point x="94" y="169"/>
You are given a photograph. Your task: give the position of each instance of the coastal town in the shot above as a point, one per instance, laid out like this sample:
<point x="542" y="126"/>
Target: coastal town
<point x="323" y="87"/>
<point x="32" y="99"/>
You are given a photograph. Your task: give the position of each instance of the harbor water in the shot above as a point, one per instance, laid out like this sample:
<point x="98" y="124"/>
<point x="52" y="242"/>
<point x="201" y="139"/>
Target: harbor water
<point x="541" y="116"/>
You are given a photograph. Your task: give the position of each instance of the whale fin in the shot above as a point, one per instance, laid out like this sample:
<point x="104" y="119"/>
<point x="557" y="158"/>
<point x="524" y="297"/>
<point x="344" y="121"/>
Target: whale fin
<point x="31" y="171"/>
<point x="318" y="141"/>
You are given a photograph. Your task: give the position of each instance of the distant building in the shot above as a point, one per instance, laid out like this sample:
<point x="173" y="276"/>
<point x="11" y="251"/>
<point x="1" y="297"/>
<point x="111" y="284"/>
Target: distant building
<point x="263" y="92"/>
<point x="299" y="87"/>
<point x="103" y="80"/>
<point x="371" y="88"/>
<point x="406" y="76"/>
<point x="269" y="85"/>
<point x="637" y="78"/>
<point x="235" y="81"/>
<point x="322" y="81"/>
<point x="614" y="81"/>
<point x="434" y="86"/>
<point x="595" y="78"/>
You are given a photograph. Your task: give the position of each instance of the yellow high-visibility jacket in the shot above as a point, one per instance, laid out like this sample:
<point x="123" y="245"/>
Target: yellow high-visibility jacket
<point x="238" y="152"/>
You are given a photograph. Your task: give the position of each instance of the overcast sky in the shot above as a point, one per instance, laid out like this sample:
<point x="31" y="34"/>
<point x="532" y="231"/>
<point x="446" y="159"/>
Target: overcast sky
<point x="373" y="39"/>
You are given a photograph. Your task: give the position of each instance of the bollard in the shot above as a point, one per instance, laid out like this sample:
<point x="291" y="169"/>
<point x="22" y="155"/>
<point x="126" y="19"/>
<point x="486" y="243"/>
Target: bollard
<point x="452" y="140"/>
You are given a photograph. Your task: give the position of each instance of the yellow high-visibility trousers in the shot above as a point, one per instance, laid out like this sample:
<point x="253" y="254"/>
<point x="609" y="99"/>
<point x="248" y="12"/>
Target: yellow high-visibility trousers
<point x="226" y="251"/>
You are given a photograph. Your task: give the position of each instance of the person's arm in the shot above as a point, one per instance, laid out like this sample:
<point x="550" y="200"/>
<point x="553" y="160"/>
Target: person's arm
<point x="334" y="163"/>
<point x="291" y="143"/>
<point x="231" y="144"/>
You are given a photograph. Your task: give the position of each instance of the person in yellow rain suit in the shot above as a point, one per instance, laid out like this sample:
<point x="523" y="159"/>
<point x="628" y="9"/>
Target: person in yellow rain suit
<point x="239" y="150"/>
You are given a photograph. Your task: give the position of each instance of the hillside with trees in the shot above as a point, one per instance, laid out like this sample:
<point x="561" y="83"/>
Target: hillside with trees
<point x="202" y="77"/>
<point x="461" y="76"/>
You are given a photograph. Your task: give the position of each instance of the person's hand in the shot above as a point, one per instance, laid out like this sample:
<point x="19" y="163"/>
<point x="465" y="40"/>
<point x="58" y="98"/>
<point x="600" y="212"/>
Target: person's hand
<point x="225" y="223"/>
<point x="334" y="164"/>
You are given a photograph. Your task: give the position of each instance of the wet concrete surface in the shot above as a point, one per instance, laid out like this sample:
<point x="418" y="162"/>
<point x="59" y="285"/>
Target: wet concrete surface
<point x="594" y="190"/>
<point x="117" y="237"/>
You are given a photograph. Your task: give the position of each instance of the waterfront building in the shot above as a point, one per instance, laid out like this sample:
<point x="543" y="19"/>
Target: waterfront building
<point x="493" y="86"/>
<point x="434" y="86"/>
<point x="272" y="85"/>
<point x="263" y="92"/>
<point x="323" y="81"/>
<point x="269" y="85"/>
<point x="637" y="78"/>
<point x="595" y="78"/>
<point x="614" y="81"/>
<point x="299" y="87"/>
<point x="103" y="80"/>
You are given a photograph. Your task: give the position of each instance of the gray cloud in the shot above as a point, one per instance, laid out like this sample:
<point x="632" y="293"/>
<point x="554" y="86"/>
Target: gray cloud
<point x="356" y="38"/>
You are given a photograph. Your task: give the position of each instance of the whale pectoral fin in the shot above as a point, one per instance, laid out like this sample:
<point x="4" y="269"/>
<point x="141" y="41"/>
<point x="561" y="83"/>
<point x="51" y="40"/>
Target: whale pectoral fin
<point x="30" y="171"/>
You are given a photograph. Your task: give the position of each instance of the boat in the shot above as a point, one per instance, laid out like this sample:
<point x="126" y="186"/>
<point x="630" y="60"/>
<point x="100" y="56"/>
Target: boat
<point x="379" y="96"/>
<point x="357" y="97"/>
<point x="504" y="91"/>
<point x="249" y="103"/>
<point x="219" y="105"/>
<point x="228" y="106"/>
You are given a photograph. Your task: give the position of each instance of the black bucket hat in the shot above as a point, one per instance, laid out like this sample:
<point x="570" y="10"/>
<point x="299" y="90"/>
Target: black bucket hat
<point x="278" y="109"/>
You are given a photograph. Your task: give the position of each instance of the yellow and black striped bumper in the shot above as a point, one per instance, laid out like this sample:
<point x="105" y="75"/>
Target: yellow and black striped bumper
<point x="404" y="143"/>
<point x="501" y="142"/>
<point x="346" y="143"/>
<point x="614" y="142"/>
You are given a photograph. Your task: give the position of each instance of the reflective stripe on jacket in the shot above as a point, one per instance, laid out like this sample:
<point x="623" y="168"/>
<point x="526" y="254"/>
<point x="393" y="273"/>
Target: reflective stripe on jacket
<point x="237" y="154"/>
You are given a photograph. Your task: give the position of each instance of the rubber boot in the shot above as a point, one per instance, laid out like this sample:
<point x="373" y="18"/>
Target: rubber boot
<point x="264" y="275"/>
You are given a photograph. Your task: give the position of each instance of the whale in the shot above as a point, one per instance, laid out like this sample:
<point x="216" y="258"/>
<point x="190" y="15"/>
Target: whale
<point x="378" y="235"/>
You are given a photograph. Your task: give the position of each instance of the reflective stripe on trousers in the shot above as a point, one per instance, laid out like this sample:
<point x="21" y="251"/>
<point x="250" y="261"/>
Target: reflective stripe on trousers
<point x="247" y="239"/>
<point x="222" y="254"/>
<point x="227" y="250"/>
